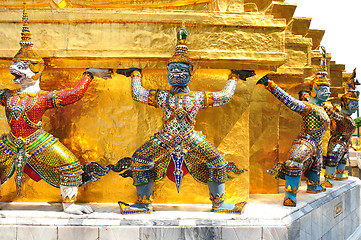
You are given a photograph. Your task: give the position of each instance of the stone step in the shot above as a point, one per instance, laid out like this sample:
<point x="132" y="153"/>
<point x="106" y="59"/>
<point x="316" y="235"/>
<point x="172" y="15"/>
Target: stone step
<point x="334" y="214"/>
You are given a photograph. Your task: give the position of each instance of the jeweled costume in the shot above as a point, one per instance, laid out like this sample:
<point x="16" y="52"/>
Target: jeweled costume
<point x="342" y="128"/>
<point x="28" y="148"/>
<point x="178" y="148"/>
<point x="178" y="141"/>
<point x="306" y="150"/>
<point x="28" y="144"/>
<point x="305" y="154"/>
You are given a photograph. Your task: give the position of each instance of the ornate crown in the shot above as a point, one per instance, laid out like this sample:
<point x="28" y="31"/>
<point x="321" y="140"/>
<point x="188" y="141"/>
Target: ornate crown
<point x="26" y="52"/>
<point x="352" y="93"/>
<point x="181" y="50"/>
<point x="321" y="76"/>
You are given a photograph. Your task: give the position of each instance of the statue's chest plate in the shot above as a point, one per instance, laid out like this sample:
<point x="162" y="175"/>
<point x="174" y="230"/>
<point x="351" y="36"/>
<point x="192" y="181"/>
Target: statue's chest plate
<point x="316" y="123"/>
<point x="18" y="106"/>
<point x="180" y="114"/>
<point x="181" y="108"/>
<point x="316" y="119"/>
<point x="24" y="110"/>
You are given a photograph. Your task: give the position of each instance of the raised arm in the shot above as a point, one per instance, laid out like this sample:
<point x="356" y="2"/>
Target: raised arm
<point x="139" y="93"/>
<point x="214" y="99"/>
<point x="291" y="102"/>
<point x="61" y="98"/>
<point x="58" y="99"/>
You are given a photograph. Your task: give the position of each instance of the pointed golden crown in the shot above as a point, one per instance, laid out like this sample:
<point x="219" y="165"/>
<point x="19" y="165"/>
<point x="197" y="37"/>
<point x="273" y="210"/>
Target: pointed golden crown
<point x="181" y="50"/>
<point x="321" y="76"/>
<point x="26" y="52"/>
<point x="352" y="93"/>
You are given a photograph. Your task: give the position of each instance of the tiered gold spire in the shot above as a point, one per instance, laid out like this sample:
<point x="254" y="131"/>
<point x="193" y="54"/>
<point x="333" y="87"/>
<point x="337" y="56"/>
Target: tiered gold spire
<point x="322" y="73"/>
<point x="181" y="50"/>
<point x="352" y="93"/>
<point x="321" y="77"/>
<point x="26" y="52"/>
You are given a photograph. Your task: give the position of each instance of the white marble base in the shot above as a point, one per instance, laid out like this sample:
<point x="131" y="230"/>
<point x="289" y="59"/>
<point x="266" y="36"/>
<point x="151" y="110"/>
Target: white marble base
<point x="264" y="218"/>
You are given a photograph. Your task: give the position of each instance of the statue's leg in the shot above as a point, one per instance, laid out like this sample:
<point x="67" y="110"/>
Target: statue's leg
<point x="144" y="172"/>
<point x="298" y="154"/>
<point x="329" y="175"/>
<point x="144" y="182"/>
<point x="335" y="152"/>
<point x="144" y="200"/>
<point x="207" y="165"/>
<point x="57" y="166"/>
<point x="217" y="194"/>
<point x="340" y="170"/>
<point x="6" y="167"/>
<point x="313" y="182"/>
<point x="7" y="162"/>
<point x="291" y="188"/>
<point x="60" y="167"/>
<point x="69" y="195"/>
<point x="70" y="179"/>
<point x="313" y="174"/>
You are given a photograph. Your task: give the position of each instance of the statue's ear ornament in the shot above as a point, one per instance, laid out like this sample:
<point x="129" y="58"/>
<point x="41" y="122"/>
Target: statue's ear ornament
<point x="36" y="67"/>
<point x="304" y="95"/>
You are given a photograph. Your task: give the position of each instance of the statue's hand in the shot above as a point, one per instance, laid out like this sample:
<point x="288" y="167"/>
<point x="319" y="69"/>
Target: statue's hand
<point x="243" y="74"/>
<point x="73" y="208"/>
<point x="128" y="72"/>
<point x="327" y="108"/>
<point x="264" y="80"/>
<point x="102" y="73"/>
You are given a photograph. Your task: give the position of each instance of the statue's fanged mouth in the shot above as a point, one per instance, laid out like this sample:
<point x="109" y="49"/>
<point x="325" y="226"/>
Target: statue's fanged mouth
<point x="19" y="77"/>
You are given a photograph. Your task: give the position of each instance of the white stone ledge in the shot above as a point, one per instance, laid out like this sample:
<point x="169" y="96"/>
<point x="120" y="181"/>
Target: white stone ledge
<point x="264" y="218"/>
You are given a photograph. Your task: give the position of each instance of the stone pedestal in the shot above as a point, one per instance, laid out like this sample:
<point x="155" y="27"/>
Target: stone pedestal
<point x="334" y="214"/>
